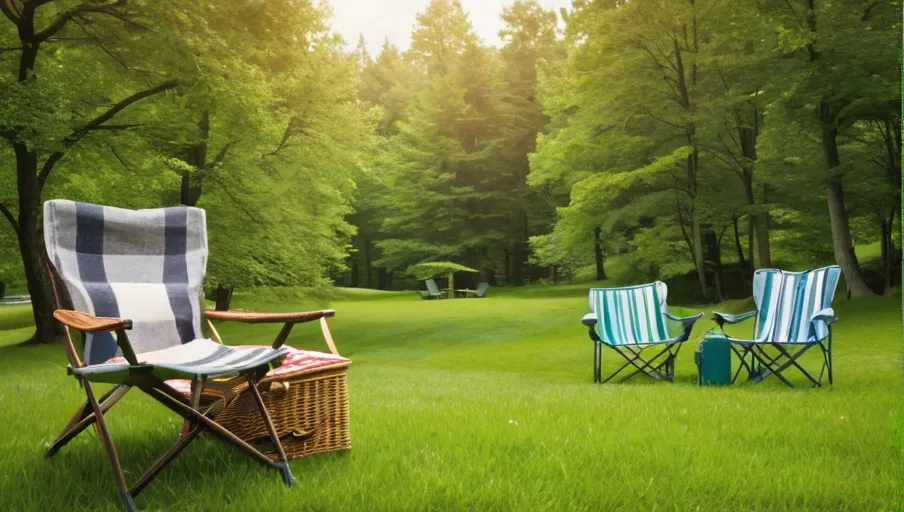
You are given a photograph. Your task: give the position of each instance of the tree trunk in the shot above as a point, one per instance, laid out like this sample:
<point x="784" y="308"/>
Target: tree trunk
<point x="368" y="264"/>
<point x="748" y="138"/>
<point x="751" y="232"/>
<point x="223" y="297"/>
<point x="353" y="267"/>
<point x="31" y="245"/>
<point x="507" y="265"/>
<point x="195" y="156"/>
<point x="598" y="255"/>
<point x="745" y="272"/>
<point x="698" y="256"/>
<point x="713" y="259"/>
<point x="762" y="234"/>
<point x="381" y="278"/>
<point x="842" y="243"/>
<point x="886" y="255"/>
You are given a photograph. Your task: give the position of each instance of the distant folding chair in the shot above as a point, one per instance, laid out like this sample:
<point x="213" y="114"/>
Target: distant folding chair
<point x="794" y="314"/>
<point x="631" y="320"/>
<point x="139" y="274"/>
<point x="433" y="291"/>
<point x="478" y="293"/>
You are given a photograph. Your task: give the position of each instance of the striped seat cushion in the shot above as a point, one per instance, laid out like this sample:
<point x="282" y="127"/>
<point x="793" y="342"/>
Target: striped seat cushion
<point x="144" y="265"/>
<point x="295" y="363"/>
<point x="787" y="301"/>
<point x="632" y="315"/>
<point x="197" y="357"/>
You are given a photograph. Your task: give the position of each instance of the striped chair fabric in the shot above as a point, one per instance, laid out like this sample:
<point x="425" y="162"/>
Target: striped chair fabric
<point x="633" y="315"/>
<point x="788" y="301"/>
<point x="147" y="266"/>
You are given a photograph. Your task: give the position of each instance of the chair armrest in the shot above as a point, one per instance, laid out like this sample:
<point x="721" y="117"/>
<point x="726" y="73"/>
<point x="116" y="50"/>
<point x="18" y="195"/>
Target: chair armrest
<point x="289" y="320"/>
<point x="826" y="315"/>
<point x="254" y="317"/>
<point x="684" y="319"/>
<point x="725" y="318"/>
<point x="687" y="322"/>
<point x="589" y="319"/>
<point x="90" y="323"/>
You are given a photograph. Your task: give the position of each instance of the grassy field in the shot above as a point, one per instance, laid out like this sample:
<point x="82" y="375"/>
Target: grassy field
<point x="489" y="405"/>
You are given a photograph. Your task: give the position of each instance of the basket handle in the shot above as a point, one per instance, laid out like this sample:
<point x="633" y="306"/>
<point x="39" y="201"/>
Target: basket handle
<point x="327" y="336"/>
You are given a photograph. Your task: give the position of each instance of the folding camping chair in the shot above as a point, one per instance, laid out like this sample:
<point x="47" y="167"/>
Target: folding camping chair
<point x="139" y="274"/>
<point x="631" y="320"/>
<point x="433" y="291"/>
<point x="794" y="314"/>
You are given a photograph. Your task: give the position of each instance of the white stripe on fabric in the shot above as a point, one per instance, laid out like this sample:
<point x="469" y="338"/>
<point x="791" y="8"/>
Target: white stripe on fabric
<point x="808" y="300"/>
<point x="792" y="303"/>
<point x="774" y="293"/>
<point x="625" y="306"/>
<point x="645" y="298"/>
<point x="631" y="315"/>
<point x="784" y="313"/>
<point x="822" y="300"/>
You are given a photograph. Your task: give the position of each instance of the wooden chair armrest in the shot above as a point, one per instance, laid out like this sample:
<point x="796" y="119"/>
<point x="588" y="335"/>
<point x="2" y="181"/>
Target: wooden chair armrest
<point x="289" y="320"/>
<point x="256" y="317"/>
<point x="90" y="323"/>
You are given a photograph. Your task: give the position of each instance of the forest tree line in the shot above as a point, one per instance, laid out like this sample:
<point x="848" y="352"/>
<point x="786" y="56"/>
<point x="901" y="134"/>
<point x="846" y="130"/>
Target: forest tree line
<point x="687" y="136"/>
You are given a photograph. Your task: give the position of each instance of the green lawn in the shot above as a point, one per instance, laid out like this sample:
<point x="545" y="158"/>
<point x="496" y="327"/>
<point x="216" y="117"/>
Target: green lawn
<point x="489" y="405"/>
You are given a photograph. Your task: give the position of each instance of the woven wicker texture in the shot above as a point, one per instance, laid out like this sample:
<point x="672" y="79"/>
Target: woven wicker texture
<point x="311" y="416"/>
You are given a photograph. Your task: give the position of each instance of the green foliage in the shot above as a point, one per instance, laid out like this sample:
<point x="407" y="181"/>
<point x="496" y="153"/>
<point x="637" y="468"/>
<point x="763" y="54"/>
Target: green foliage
<point x="437" y="268"/>
<point x="263" y="127"/>
<point x="662" y="141"/>
<point x="459" y="120"/>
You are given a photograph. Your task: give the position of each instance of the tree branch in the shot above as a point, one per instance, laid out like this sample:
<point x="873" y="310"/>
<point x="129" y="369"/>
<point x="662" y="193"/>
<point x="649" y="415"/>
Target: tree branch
<point x="121" y="161"/>
<point x="237" y="202"/>
<point x="868" y="13"/>
<point x="64" y="18"/>
<point x="8" y="12"/>
<point x="222" y="153"/>
<point x="8" y="214"/>
<point x="116" y="126"/>
<point x="95" y="124"/>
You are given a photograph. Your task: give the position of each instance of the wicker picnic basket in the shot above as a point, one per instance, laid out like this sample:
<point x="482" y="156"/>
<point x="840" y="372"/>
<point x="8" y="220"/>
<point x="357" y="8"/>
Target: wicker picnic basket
<point x="309" y="410"/>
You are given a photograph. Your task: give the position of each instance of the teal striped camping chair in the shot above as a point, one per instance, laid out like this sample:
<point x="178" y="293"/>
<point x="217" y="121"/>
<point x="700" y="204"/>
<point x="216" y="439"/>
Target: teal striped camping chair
<point x="794" y="314"/>
<point x="632" y="319"/>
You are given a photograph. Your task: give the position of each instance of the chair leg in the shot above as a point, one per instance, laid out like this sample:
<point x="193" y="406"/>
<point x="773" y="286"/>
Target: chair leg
<point x="645" y="366"/>
<point x="176" y="403"/>
<point x="107" y="442"/>
<point x="83" y="418"/>
<point x="283" y="464"/>
<point x="597" y="362"/>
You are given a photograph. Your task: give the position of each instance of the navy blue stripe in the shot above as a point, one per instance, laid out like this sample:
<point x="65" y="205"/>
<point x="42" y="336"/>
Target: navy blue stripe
<point x="175" y="271"/>
<point x="89" y="248"/>
<point x="221" y="351"/>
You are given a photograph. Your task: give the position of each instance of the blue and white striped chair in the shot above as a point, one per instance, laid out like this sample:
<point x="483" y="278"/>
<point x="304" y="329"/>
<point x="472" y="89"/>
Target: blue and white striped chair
<point x="631" y="319"/>
<point x="794" y="313"/>
<point x="138" y="274"/>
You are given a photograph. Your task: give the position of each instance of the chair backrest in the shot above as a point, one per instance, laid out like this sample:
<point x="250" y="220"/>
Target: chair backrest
<point x="432" y="289"/>
<point x="144" y="265"/>
<point x="786" y="301"/>
<point x="631" y="315"/>
<point x="482" y="289"/>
